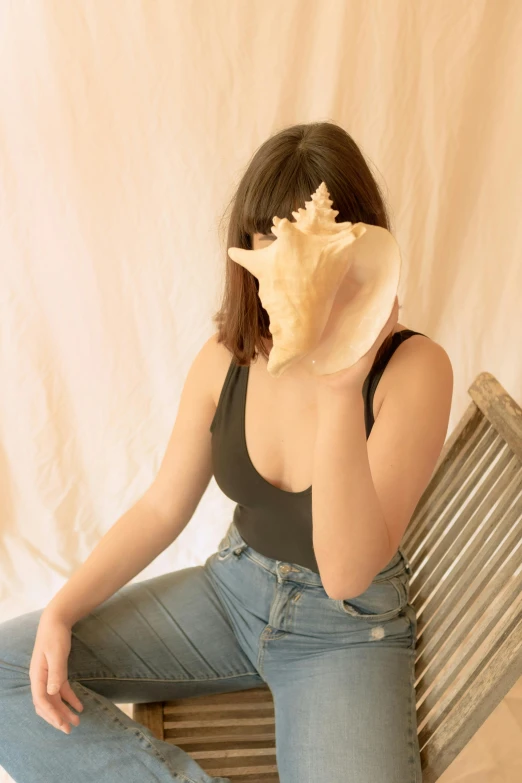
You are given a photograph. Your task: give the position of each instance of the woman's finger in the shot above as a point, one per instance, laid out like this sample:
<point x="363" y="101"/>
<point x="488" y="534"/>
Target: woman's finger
<point x="69" y="695"/>
<point x="64" y="713"/>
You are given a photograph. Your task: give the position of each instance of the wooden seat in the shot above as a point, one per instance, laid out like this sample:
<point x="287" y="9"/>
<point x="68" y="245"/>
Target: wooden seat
<point x="464" y="543"/>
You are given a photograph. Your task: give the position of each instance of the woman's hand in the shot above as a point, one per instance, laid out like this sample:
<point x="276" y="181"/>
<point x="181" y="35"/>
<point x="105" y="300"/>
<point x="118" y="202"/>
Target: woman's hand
<point x="353" y="377"/>
<point x="49" y="667"/>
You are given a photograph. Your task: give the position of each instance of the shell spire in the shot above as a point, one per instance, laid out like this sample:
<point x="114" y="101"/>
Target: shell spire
<point x="318" y="217"/>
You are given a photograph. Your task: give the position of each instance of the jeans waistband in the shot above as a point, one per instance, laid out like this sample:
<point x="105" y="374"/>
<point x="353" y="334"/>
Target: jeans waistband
<point x="298" y="573"/>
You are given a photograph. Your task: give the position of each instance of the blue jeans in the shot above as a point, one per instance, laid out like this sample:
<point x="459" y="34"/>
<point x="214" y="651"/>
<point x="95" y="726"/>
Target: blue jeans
<point x="340" y="672"/>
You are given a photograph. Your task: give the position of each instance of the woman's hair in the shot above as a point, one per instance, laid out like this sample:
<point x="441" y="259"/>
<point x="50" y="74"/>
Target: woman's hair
<point x="282" y="174"/>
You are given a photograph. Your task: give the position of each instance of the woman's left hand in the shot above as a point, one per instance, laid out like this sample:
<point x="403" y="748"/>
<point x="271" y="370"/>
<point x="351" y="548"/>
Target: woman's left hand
<point x="354" y="376"/>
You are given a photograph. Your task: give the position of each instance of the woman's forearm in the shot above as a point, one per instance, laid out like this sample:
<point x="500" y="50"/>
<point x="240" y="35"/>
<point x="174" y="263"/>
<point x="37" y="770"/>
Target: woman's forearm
<point x="133" y="542"/>
<point x="350" y="535"/>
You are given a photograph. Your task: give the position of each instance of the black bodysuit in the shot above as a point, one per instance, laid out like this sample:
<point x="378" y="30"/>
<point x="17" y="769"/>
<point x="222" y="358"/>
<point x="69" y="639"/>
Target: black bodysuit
<point x="275" y="522"/>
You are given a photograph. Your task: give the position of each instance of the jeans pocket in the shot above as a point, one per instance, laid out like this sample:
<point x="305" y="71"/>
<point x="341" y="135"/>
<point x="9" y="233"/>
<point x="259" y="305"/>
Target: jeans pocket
<point x="383" y="600"/>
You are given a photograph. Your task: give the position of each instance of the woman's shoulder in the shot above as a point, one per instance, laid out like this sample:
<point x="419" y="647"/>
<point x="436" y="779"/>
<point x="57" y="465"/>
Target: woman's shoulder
<point x="414" y="341"/>
<point x="412" y="347"/>
<point x="415" y="353"/>
<point x="400" y="328"/>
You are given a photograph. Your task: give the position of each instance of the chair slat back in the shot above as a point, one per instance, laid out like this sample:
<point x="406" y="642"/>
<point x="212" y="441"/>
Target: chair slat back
<point x="464" y="543"/>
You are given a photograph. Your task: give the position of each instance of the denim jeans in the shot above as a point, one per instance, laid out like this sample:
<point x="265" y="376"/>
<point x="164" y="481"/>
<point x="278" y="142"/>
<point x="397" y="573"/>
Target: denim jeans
<point x="340" y="673"/>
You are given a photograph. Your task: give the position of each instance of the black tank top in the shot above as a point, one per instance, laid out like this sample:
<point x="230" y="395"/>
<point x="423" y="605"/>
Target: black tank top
<point x="275" y="522"/>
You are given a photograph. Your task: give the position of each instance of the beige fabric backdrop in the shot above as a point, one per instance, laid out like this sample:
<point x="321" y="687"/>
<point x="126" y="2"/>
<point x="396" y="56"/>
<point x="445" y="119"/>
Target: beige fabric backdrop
<point x="124" y="129"/>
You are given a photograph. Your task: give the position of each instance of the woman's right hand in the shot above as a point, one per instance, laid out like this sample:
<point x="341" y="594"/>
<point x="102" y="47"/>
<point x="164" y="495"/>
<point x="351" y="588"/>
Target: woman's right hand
<point x="48" y="668"/>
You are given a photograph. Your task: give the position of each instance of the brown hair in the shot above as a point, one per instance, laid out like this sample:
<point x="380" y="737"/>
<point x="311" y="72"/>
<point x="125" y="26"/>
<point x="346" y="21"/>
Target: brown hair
<point x="282" y="174"/>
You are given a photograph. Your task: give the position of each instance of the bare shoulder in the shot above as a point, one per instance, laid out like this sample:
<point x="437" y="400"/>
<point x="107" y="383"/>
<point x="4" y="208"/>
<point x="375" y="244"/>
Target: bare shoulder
<point x="419" y="361"/>
<point x="419" y="350"/>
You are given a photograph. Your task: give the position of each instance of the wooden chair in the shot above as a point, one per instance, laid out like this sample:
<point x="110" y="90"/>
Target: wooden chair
<point x="464" y="543"/>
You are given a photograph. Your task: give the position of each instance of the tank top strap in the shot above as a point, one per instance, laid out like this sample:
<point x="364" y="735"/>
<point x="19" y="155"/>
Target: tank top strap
<point x="375" y="374"/>
<point x="231" y="378"/>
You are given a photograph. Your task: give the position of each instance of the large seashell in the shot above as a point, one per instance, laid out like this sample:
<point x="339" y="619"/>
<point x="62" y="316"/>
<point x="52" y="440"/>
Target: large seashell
<point x="328" y="287"/>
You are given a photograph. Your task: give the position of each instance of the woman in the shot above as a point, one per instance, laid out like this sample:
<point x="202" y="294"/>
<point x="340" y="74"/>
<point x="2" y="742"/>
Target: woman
<point x="306" y="593"/>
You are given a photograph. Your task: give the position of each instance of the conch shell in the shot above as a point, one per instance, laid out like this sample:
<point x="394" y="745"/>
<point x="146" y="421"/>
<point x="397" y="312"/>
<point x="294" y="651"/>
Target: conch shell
<point x="328" y="287"/>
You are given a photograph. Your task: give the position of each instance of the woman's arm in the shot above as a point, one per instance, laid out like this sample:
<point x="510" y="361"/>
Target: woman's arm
<point x="365" y="491"/>
<point x="159" y="516"/>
